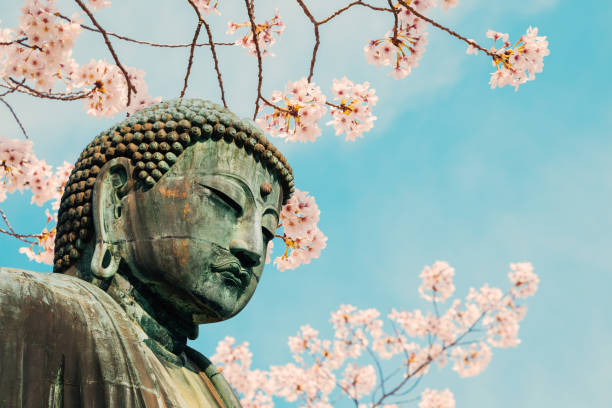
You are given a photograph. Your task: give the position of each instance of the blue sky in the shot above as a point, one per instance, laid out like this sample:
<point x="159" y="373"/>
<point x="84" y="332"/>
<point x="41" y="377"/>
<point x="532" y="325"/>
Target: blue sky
<point x="451" y="171"/>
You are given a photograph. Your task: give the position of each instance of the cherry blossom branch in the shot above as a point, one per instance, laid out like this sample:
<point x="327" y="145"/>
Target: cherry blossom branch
<point x="12" y="233"/>
<point x="47" y="95"/>
<point x="448" y="30"/>
<point x="316" y="25"/>
<point x="13" y="41"/>
<point x="149" y="43"/>
<point x="130" y="87"/>
<point x="345" y="8"/>
<point x="10" y="108"/>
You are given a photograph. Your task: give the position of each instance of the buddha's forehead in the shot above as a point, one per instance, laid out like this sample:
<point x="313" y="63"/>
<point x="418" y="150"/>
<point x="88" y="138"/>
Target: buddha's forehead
<point x="226" y="160"/>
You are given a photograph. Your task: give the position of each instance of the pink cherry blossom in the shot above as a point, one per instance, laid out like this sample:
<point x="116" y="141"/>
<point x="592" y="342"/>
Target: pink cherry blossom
<point x="304" y="105"/>
<point x="437" y="399"/>
<point x="502" y="325"/>
<point x="44" y="57"/>
<point x="353" y="115"/>
<point x="520" y="62"/>
<point x="358" y="381"/>
<point x="265" y="34"/>
<point x="402" y="52"/>
<point x="471" y="48"/>
<point x="98" y="4"/>
<point x="303" y="239"/>
<point x="43" y="251"/>
<point x="437" y="279"/>
<point x="524" y="281"/>
<point x="108" y="89"/>
<point x="206" y="7"/>
<point x="299" y="214"/>
<point x="446" y="4"/>
<point x="471" y="361"/>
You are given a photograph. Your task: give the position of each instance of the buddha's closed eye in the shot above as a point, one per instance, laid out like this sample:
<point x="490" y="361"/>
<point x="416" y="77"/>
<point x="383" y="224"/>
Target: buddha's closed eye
<point x="223" y="197"/>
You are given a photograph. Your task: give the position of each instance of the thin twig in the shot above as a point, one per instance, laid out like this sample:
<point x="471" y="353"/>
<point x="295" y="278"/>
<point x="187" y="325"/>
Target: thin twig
<point x="251" y="14"/>
<point x="130" y="87"/>
<point x="149" y="43"/>
<point x="267" y="102"/>
<point x="214" y="55"/>
<point x="448" y="30"/>
<point x="395" y="22"/>
<point x="191" y="49"/>
<point x="345" y="8"/>
<point x="48" y="95"/>
<point x="10" y="108"/>
<point x="212" y="49"/>
<point x="13" y="41"/>
<point x="12" y="232"/>
<point x="316" y="25"/>
<point x="315" y="49"/>
<point x="380" y="371"/>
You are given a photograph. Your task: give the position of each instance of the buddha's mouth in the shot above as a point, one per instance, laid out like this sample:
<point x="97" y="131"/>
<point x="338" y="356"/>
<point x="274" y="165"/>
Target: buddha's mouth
<point x="232" y="272"/>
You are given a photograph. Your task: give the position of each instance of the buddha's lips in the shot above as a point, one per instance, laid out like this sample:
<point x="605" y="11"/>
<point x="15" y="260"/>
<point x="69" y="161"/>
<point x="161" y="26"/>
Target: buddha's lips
<point x="238" y="273"/>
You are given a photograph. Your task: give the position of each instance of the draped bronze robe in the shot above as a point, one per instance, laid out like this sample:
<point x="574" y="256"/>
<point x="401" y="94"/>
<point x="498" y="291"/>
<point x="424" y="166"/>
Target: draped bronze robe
<point x="67" y="343"/>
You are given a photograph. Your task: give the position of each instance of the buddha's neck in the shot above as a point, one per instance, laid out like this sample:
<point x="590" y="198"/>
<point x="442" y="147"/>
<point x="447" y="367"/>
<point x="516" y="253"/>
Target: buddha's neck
<point x="156" y="318"/>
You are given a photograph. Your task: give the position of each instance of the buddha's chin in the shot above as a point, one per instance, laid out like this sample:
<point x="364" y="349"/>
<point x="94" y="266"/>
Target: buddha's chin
<point x="218" y="298"/>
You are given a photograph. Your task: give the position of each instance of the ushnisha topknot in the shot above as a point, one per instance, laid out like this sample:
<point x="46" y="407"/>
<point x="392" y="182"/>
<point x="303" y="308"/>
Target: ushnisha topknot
<point x="153" y="139"/>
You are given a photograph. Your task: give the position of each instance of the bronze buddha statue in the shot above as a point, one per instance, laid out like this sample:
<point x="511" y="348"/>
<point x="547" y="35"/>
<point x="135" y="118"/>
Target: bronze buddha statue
<point x="163" y="225"/>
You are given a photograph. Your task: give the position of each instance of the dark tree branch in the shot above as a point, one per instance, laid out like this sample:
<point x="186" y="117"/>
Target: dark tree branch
<point x="47" y="95"/>
<point x="10" y="108"/>
<point x="191" y="49"/>
<point x="149" y="43"/>
<point x="251" y="13"/>
<point x="212" y="50"/>
<point x="12" y="233"/>
<point x="448" y="30"/>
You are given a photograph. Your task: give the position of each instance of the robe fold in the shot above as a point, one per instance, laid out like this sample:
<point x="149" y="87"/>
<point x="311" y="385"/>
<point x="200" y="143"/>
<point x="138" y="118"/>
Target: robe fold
<point x="66" y="343"/>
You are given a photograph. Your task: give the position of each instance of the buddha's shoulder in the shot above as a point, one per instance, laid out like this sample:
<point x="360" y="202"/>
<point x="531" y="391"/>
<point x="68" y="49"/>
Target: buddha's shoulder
<point x="22" y="290"/>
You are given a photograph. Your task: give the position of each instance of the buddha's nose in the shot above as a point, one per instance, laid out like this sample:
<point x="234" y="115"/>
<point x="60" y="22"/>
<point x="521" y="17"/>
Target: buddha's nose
<point x="245" y="252"/>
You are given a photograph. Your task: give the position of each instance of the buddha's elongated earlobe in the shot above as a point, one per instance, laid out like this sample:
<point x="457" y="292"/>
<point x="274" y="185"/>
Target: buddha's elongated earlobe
<point x="112" y="184"/>
<point x="104" y="263"/>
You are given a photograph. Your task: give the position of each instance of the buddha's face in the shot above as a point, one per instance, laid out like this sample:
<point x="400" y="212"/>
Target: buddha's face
<point x="199" y="236"/>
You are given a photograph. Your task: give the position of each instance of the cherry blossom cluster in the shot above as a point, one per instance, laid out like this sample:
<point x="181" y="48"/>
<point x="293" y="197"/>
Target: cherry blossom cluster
<point x="353" y="115"/>
<point x="20" y="170"/>
<point x="327" y="368"/>
<point x="297" y="120"/>
<point x="437" y="399"/>
<point x="42" y="46"/>
<point x="265" y="34"/>
<point x="107" y="94"/>
<point x="39" y="53"/>
<point x="42" y="250"/>
<point x="518" y="63"/>
<point x="402" y="47"/>
<point x="301" y="235"/>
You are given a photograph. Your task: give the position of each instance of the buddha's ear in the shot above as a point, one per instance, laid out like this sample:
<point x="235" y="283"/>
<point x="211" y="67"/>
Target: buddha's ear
<point x="112" y="184"/>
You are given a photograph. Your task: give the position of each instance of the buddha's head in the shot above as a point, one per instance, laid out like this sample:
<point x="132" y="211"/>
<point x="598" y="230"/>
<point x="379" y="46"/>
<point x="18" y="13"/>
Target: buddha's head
<point x="183" y="197"/>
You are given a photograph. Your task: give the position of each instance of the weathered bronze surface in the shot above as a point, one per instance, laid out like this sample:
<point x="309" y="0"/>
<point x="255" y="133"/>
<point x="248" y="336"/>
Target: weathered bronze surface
<point x="163" y="226"/>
